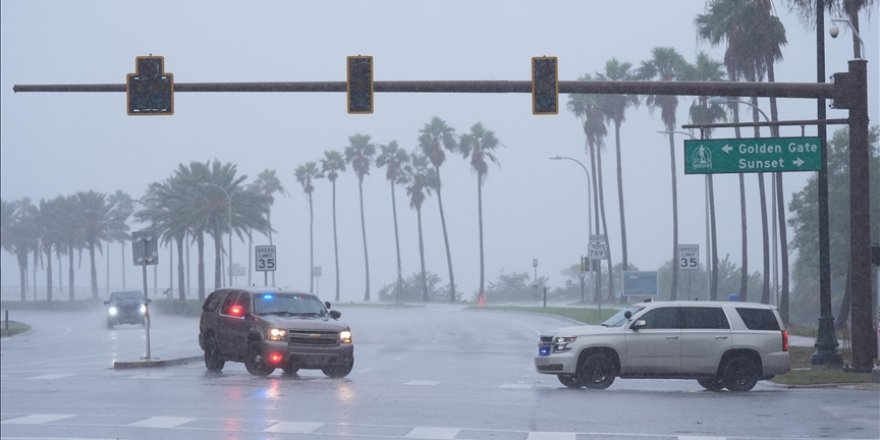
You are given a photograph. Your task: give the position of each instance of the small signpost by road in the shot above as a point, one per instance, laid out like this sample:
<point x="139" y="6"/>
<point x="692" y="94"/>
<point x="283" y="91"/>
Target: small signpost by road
<point x="145" y="250"/>
<point x="598" y="247"/>
<point x="265" y="260"/>
<point x="689" y="256"/>
<point x="759" y="155"/>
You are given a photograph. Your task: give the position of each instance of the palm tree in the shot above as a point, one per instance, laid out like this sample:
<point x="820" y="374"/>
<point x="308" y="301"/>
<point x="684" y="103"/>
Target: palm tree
<point x="305" y="174"/>
<point x="267" y="184"/>
<point x="123" y="208"/>
<point x="94" y="213"/>
<point x="666" y="64"/>
<point x="395" y="162"/>
<point x="165" y="207"/>
<point x="20" y="236"/>
<point x="419" y="187"/>
<point x="434" y="137"/>
<point x="359" y="153"/>
<point x="331" y="165"/>
<point x="44" y="220"/>
<point x="479" y="145"/>
<point x="701" y="112"/>
<point x="589" y="109"/>
<point x="71" y="236"/>
<point x="851" y="8"/>
<point x="614" y="107"/>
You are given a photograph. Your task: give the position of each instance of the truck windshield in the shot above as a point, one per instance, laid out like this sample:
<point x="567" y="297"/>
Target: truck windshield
<point x="619" y="318"/>
<point x="288" y="304"/>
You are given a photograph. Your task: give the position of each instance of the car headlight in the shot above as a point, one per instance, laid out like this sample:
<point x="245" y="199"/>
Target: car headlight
<point x="560" y="343"/>
<point x="143" y="309"/>
<point x="112" y="311"/>
<point x="345" y="336"/>
<point x="277" y="334"/>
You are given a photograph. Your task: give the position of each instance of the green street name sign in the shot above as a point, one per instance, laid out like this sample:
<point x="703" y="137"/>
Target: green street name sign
<point x="758" y="155"/>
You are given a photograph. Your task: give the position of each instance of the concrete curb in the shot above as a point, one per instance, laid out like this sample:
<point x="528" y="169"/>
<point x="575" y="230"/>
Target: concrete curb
<point x="849" y="386"/>
<point x="155" y="362"/>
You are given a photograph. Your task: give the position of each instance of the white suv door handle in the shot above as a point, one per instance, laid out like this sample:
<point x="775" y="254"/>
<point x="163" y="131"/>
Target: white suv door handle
<point x="671" y="338"/>
<point x="720" y="337"/>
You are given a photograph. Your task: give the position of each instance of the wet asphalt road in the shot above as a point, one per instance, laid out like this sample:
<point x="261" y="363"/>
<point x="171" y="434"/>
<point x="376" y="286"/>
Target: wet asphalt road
<point x="424" y="372"/>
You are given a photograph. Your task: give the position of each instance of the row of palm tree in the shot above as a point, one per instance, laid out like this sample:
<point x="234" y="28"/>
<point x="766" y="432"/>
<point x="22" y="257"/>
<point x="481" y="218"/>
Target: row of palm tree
<point x="418" y="172"/>
<point x="63" y="226"/>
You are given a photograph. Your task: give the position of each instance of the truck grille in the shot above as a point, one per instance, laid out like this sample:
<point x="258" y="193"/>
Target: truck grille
<point x="546" y="339"/>
<point x="316" y="337"/>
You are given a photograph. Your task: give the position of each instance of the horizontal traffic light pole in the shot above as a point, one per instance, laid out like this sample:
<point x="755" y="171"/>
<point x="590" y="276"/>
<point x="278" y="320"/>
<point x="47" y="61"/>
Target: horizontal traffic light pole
<point x="682" y="88"/>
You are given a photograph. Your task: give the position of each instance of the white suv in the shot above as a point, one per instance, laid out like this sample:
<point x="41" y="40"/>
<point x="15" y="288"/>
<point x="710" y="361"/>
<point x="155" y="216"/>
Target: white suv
<point x="721" y="344"/>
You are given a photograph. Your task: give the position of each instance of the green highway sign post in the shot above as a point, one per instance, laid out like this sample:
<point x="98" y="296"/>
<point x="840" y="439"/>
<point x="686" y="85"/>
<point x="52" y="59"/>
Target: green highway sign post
<point x="757" y="155"/>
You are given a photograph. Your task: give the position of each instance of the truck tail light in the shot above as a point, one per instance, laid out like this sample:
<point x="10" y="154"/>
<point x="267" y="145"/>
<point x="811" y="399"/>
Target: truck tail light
<point x="785" y="340"/>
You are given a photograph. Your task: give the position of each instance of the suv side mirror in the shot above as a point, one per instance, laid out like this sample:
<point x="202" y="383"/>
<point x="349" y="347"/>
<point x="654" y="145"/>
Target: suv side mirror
<point x="335" y="314"/>
<point x="327" y="305"/>
<point x="640" y="324"/>
<point x="107" y="303"/>
<point x="627" y="314"/>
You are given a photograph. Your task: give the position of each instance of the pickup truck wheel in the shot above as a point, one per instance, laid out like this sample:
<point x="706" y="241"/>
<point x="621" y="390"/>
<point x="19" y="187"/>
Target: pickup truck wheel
<point x="213" y="361"/>
<point x="740" y="374"/>
<point x="596" y="371"/>
<point x="337" y="371"/>
<point x="712" y="384"/>
<point x="570" y="380"/>
<point x="255" y="363"/>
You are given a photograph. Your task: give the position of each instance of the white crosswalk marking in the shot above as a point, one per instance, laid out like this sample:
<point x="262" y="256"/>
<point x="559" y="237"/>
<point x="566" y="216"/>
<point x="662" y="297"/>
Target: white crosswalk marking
<point x="551" y="436"/>
<point x="432" y="433"/>
<point x="697" y="437"/>
<point x="36" y="419"/>
<point x="161" y="422"/>
<point x="293" y="427"/>
<point x="50" y="376"/>
<point x="422" y="383"/>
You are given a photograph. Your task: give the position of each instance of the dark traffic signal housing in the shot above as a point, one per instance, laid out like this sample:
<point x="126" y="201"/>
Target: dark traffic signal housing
<point x="545" y="86"/>
<point x="149" y="90"/>
<point x="359" y="84"/>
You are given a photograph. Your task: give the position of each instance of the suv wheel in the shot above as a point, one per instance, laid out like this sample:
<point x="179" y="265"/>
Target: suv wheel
<point x="570" y="380"/>
<point x="213" y="361"/>
<point x="712" y="384"/>
<point x="337" y="371"/>
<point x="596" y="371"/>
<point x="255" y="363"/>
<point x="740" y="374"/>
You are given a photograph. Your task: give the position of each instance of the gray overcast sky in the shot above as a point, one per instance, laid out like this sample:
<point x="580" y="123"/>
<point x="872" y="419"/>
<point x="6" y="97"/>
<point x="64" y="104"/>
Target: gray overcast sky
<point x="58" y="144"/>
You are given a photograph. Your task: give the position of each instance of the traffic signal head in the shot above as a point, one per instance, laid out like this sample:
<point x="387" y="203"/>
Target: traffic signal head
<point x="149" y="90"/>
<point x="359" y="84"/>
<point x="545" y="86"/>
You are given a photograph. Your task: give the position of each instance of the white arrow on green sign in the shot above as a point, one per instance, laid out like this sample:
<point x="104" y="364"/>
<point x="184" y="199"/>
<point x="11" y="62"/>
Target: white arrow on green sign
<point x="757" y="155"/>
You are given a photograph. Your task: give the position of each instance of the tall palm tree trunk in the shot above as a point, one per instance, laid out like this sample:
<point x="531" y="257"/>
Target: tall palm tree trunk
<point x="364" y="234"/>
<point x="94" y="271"/>
<point x="597" y="268"/>
<point x="181" y="282"/>
<point x="49" y="274"/>
<point x="396" y="244"/>
<point x="480" y="221"/>
<point x="605" y="226"/>
<point x="780" y="213"/>
<point x="674" y="285"/>
<point x="312" y="246"/>
<point x="335" y="243"/>
<point x="122" y="259"/>
<point x="22" y="272"/>
<point x="269" y="220"/>
<point x="623" y="252"/>
<point x="218" y="253"/>
<point x="422" y="256"/>
<point x="445" y="239"/>
<point x="69" y="272"/>
<point x="200" y="270"/>
<point x="744" y="270"/>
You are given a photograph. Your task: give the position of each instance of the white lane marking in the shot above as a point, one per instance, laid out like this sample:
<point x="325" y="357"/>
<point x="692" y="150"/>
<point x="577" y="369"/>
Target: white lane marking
<point x="293" y="427"/>
<point x="697" y="437"/>
<point x="50" y="376"/>
<point x="516" y="386"/>
<point x="36" y="419"/>
<point x="551" y="436"/>
<point x="422" y="383"/>
<point x="432" y="433"/>
<point x="365" y="370"/>
<point x="153" y="376"/>
<point x="160" y="422"/>
<point x="399" y="358"/>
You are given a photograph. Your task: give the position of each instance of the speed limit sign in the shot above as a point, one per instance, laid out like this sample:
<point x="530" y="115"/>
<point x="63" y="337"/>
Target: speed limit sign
<point x="265" y="255"/>
<point x="689" y="256"/>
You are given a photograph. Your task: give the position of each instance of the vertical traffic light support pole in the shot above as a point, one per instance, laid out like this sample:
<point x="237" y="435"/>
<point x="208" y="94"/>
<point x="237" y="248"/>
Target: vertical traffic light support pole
<point x="863" y="344"/>
<point x="146" y="309"/>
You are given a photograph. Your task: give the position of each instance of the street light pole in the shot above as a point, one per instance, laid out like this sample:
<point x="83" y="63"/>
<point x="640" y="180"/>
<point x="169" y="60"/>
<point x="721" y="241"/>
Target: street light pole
<point x="589" y="213"/>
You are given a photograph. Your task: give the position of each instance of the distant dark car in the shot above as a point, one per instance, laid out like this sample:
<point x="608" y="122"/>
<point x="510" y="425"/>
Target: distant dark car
<point x="269" y="328"/>
<point x="125" y="308"/>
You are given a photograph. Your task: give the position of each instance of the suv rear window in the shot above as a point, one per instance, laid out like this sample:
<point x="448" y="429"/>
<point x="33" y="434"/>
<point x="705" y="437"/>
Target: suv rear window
<point x="703" y="318"/>
<point x="758" y="319"/>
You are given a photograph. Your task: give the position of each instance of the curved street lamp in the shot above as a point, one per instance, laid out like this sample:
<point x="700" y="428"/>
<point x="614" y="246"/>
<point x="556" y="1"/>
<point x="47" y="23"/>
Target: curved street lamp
<point x="229" y="210"/>
<point x="589" y="222"/>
